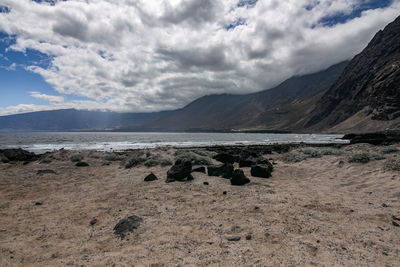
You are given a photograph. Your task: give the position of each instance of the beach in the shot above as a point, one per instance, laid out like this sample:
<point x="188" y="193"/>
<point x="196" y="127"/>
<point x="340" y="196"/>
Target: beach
<point x="323" y="206"/>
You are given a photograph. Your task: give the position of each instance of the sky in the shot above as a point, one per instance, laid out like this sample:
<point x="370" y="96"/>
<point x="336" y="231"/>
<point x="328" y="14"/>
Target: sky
<point x="145" y="56"/>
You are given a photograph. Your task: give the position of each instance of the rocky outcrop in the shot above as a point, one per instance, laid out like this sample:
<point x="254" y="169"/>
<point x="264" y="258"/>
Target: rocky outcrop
<point x="18" y="155"/>
<point x="379" y="138"/>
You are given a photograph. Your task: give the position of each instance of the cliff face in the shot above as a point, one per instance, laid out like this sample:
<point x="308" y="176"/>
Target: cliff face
<point x="369" y="86"/>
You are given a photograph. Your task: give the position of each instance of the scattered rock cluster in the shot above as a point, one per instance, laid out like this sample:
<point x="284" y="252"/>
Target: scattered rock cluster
<point x="182" y="169"/>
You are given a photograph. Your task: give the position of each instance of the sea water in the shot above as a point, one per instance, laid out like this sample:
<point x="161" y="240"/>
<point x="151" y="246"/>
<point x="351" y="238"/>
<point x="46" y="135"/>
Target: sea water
<point x="41" y="142"/>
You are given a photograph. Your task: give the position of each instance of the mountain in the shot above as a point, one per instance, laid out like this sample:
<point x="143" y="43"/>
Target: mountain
<point x="73" y="120"/>
<point x="281" y="108"/>
<point x="366" y="97"/>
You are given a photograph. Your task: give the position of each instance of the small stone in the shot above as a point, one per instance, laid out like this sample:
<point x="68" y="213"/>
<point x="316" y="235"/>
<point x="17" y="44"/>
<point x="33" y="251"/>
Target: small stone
<point x="224" y="193"/>
<point x="81" y="164"/>
<point x="256" y="208"/>
<point x="93" y="221"/>
<point x="384" y="205"/>
<point x="125" y="226"/>
<point x="205" y="183"/>
<point x="150" y="177"/>
<point x="395" y="218"/>
<point x="248" y="237"/>
<point x="41" y="172"/>
<point x="234" y="238"/>
<point x="38" y="203"/>
<point x="395" y="224"/>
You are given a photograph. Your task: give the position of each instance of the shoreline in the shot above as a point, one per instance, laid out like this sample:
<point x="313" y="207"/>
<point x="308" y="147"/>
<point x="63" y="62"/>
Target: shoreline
<point x="318" y="208"/>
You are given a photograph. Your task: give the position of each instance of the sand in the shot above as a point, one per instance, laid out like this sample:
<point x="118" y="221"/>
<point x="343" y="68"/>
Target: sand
<point x="317" y="212"/>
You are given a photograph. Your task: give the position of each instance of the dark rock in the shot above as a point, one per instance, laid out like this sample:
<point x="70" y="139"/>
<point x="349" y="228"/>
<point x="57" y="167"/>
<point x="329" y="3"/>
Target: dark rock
<point x="246" y="162"/>
<point x="4" y="159"/>
<point x="248" y="237"/>
<point x="205" y="183"/>
<point x="150" y="177"/>
<point x="190" y="177"/>
<point x="223" y="170"/>
<point x="379" y="138"/>
<point x="395" y="224"/>
<point x="396" y="218"/>
<point x="261" y="171"/>
<point x="384" y="205"/>
<point x="81" y="164"/>
<point x="125" y="226"/>
<point x="180" y="171"/>
<point x="199" y="169"/>
<point x="238" y="178"/>
<point x="234" y="238"/>
<point x="224" y="193"/>
<point x="18" y="155"/>
<point x="93" y="221"/>
<point x="225" y="158"/>
<point x="41" y="172"/>
<point x="262" y="161"/>
<point x="38" y="203"/>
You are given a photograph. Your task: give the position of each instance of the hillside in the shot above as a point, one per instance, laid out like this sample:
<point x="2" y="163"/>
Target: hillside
<point x="366" y="97"/>
<point x="280" y="108"/>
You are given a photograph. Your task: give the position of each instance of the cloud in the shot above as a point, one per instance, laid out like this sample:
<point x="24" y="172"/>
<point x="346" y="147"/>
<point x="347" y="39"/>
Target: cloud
<point x="49" y="98"/>
<point x="137" y="55"/>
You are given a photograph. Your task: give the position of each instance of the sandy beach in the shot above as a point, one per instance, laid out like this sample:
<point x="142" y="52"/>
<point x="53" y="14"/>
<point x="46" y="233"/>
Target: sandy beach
<point x="318" y="210"/>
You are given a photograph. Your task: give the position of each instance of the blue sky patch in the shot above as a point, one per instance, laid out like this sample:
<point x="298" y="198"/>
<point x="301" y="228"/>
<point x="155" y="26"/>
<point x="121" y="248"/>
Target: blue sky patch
<point x="247" y="3"/>
<point x="236" y="23"/>
<point x="341" y="18"/>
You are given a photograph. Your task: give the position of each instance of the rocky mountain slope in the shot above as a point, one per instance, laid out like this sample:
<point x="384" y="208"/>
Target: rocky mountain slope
<point x="367" y="95"/>
<point x="281" y="108"/>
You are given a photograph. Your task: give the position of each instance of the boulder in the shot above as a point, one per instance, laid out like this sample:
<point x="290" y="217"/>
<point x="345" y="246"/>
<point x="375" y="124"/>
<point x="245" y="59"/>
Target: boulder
<point x="125" y="226"/>
<point x="18" y="155"/>
<point x="150" y="177"/>
<point x="263" y="171"/>
<point x="223" y="170"/>
<point x="246" y="162"/>
<point x="238" y="178"/>
<point x="180" y="171"/>
<point x="266" y="162"/>
<point x="199" y="169"/>
<point x="226" y="158"/>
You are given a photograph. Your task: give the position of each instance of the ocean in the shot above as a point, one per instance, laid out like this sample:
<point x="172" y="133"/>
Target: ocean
<point x="41" y="142"/>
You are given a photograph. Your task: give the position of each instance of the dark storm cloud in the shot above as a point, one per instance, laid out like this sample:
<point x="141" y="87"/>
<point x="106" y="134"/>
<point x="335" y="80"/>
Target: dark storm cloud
<point x="211" y="58"/>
